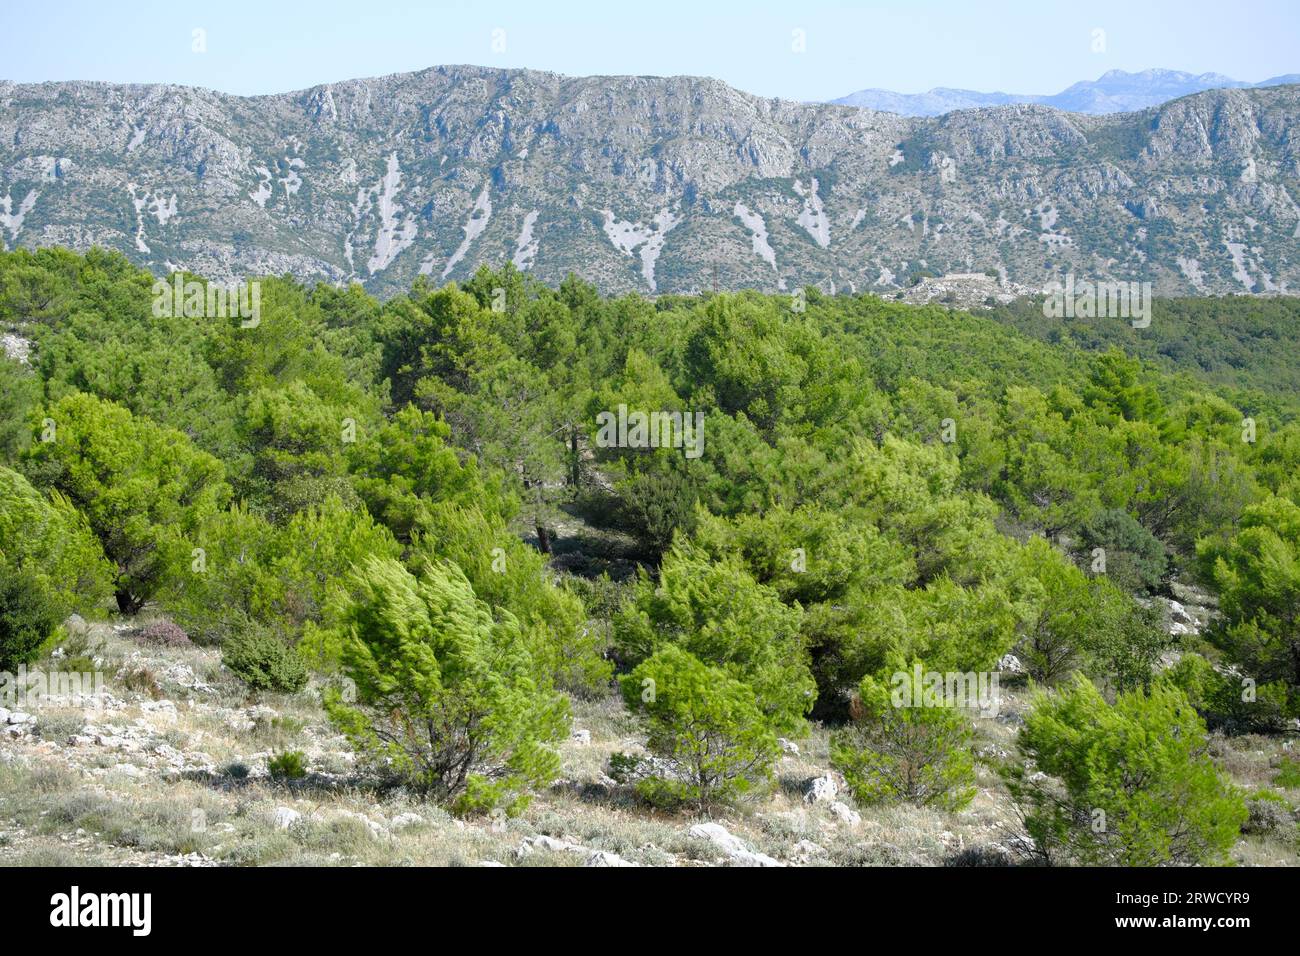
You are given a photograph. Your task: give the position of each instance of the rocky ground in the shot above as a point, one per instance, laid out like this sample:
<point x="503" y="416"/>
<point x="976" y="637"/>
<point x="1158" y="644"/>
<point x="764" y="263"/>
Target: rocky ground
<point x="172" y="770"/>
<point x="964" y="290"/>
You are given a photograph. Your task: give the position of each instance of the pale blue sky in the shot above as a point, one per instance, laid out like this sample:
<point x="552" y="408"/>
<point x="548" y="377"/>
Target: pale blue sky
<point x="1036" y="46"/>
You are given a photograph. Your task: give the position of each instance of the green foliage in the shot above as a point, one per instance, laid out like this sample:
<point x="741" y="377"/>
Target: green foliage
<point x="20" y="396"/>
<point x="1077" y="623"/>
<point x="50" y="541"/>
<point x="1229" y="702"/>
<point x="1117" y="388"/>
<point x="1258" y="575"/>
<point x="1126" y="641"/>
<point x="138" y="483"/>
<point x="29" y="614"/>
<point x="712" y="743"/>
<point x="1288" y="774"/>
<point x="900" y="748"/>
<point x="277" y="578"/>
<point x="514" y="580"/>
<point x="1125" y="784"/>
<point x="1234" y="341"/>
<point x="312" y="553"/>
<point x="1053" y="637"/>
<point x="447" y="700"/>
<point x="287" y="765"/>
<point x="880" y="483"/>
<point x="264" y="662"/>
<point x="219" y="583"/>
<point x="721" y="615"/>
<point x="1136" y="560"/>
<point x="297" y="441"/>
<point x="409" y="465"/>
<point x="809" y="554"/>
<point x="657" y="504"/>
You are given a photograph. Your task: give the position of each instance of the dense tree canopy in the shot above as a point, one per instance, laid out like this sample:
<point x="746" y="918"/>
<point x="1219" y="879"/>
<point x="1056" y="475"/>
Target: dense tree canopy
<point x="869" y="484"/>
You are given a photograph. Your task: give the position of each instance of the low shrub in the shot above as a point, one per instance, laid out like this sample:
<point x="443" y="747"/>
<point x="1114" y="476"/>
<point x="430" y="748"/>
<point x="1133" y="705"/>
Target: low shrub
<point x="289" y="765"/>
<point x="163" y="633"/>
<point x="264" y="662"/>
<point x="1123" y="784"/>
<point x="1268" y="812"/>
<point x="709" y="740"/>
<point x="917" y="754"/>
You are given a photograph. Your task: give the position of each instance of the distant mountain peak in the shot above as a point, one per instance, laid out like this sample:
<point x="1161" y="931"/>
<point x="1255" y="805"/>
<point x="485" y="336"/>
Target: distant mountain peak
<point x="1115" y="91"/>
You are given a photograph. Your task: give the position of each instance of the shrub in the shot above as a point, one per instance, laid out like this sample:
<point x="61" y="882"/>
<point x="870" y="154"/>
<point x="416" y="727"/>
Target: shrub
<point x="274" y="577"/>
<point x="163" y="633"/>
<point x="49" y="539"/>
<point x="139" y="484"/>
<point x="1227" y="702"/>
<point x="655" y="505"/>
<point x="511" y="576"/>
<point x="1288" y="774"/>
<point x="289" y="765"/>
<point x="713" y="743"/>
<point x="1124" y="784"/>
<point x="57" y="727"/>
<point x="264" y="662"/>
<point x="1135" y="558"/>
<point x="29" y="614"/>
<point x="448" y="700"/>
<point x="918" y="754"/>
<point x="1267" y="813"/>
<point x="718" y="613"/>
<point x="139" y="679"/>
<point x="1258" y="576"/>
<point x="1082" y="624"/>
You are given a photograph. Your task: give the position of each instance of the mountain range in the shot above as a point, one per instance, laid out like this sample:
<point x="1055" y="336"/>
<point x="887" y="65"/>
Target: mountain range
<point x="651" y="184"/>
<point x="1113" y="92"/>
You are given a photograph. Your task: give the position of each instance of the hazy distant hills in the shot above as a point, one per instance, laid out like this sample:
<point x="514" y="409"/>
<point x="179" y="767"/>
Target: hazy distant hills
<point x="1114" y="92"/>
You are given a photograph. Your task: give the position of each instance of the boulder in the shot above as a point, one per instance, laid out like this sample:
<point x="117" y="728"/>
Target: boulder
<point x="845" y="814"/>
<point x="732" y="847"/>
<point x="285" y="817"/>
<point x="1010" y="664"/>
<point x="821" y="789"/>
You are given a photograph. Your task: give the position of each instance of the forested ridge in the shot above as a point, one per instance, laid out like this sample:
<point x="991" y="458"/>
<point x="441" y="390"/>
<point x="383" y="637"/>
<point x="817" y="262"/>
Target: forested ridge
<point x="403" y="506"/>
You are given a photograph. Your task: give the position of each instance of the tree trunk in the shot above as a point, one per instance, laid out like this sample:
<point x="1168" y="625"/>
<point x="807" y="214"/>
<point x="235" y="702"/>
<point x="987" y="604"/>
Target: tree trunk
<point x="575" y="461"/>
<point x="128" y="603"/>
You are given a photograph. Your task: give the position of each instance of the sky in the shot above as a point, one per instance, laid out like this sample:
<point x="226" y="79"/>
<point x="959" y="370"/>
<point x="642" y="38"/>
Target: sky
<point x="797" y="49"/>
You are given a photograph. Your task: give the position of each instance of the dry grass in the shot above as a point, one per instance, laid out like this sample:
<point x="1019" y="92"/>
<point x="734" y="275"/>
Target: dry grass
<point x="93" y="803"/>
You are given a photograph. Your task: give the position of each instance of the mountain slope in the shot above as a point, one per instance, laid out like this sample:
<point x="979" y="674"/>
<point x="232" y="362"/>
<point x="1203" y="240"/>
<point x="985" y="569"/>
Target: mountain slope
<point x="649" y="184"/>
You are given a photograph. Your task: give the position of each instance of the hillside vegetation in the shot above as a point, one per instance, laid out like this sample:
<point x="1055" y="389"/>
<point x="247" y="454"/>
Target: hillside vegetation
<point x="402" y="522"/>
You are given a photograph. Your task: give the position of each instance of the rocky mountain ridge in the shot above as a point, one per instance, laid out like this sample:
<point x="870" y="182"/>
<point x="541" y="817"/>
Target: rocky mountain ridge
<point x="650" y="184"/>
